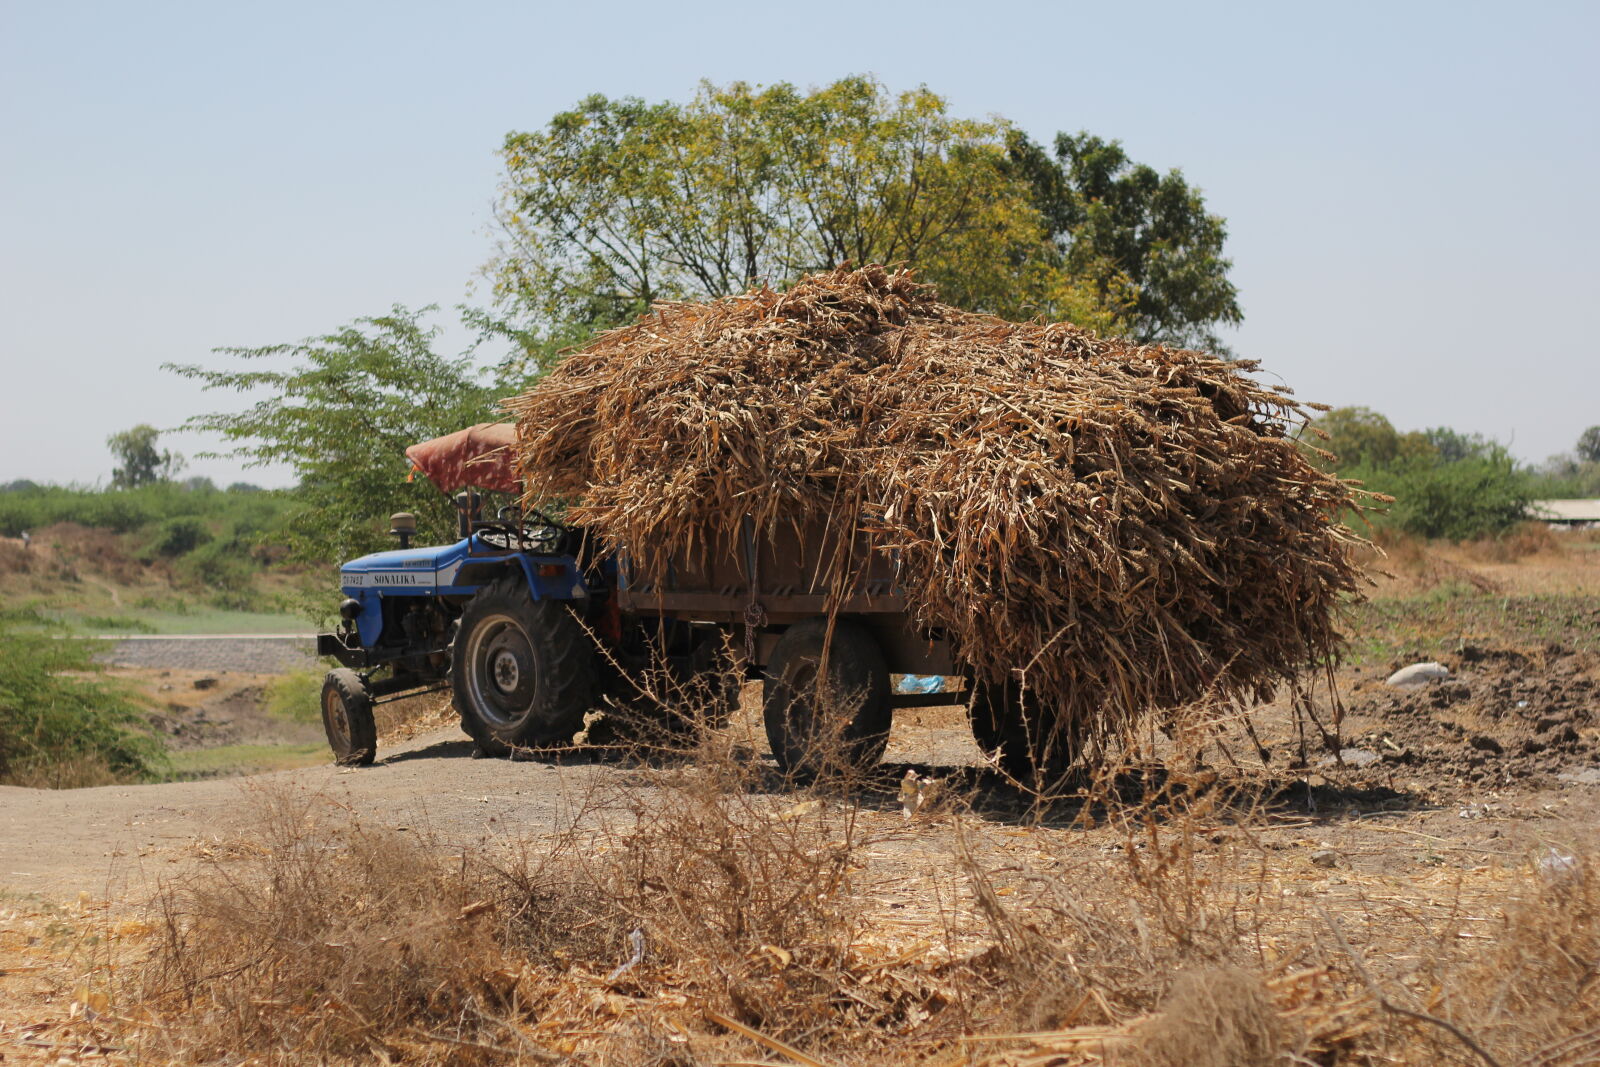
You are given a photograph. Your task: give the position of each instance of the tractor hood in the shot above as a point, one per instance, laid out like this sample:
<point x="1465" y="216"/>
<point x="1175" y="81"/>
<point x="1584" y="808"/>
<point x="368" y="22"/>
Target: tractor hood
<point x="421" y="570"/>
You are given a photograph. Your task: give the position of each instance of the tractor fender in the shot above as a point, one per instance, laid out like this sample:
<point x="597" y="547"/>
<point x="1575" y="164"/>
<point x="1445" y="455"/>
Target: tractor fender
<point x="546" y="577"/>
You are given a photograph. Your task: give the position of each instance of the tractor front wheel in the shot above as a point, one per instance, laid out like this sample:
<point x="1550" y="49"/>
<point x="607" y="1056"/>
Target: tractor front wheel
<point x="347" y="718"/>
<point x="522" y="671"/>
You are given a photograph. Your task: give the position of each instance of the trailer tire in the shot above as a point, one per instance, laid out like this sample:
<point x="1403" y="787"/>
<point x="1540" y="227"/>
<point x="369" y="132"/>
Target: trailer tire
<point x="347" y="718"/>
<point x="804" y="741"/>
<point x="1012" y="730"/>
<point x="522" y="671"/>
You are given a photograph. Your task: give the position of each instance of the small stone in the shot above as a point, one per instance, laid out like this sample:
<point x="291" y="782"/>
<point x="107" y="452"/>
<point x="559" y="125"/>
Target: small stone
<point x="205" y="683"/>
<point x="1418" y="675"/>
<point x="1325" y="857"/>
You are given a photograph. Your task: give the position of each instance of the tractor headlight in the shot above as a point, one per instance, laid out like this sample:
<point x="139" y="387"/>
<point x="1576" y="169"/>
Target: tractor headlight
<point x="350" y="609"/>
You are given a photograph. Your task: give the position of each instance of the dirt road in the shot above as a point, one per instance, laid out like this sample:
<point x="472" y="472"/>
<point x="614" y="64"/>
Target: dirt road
<point x="120" y="841"/>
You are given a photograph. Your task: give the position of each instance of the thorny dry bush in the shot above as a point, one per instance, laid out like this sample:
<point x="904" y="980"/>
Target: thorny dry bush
<point x="706" y="918"/>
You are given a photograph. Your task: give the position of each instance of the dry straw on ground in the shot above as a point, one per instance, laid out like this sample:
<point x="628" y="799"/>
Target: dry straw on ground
<point x="1132" y="525"/>
<point x="715" y="924"/>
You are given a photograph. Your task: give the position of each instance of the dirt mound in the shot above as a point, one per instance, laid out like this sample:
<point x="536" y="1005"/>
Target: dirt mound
<point x="90" y="550"/>
<point x="1133" y="524"/>
<point x="1504" y="715"/>
<point x="16" y="557"/>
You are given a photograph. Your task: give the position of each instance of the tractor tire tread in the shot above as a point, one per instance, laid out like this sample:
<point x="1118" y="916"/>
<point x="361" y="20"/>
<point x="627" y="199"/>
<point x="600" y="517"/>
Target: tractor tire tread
<point x="567" y="667"/>
<point x="360" y="747"/>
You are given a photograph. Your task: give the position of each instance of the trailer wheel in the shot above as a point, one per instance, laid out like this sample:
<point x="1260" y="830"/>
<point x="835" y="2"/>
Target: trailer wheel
<point x="1011" y="728"/>
<point x="835" y="717"/>
<point x="522" y="671"/>
<point x="347" y="718"/>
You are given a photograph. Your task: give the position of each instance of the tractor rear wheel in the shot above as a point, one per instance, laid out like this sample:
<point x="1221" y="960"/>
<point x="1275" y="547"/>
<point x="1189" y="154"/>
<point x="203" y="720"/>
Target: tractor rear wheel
<point x="522" y="671"/>
<point x="347" y="718"/>
<point x="832" y="715"/>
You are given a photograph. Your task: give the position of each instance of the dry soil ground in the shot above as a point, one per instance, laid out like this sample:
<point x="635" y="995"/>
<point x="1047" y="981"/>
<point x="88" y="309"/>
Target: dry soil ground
<point x="1446" y="798"/>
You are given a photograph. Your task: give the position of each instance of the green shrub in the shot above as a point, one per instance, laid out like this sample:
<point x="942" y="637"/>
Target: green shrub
<point x="296" y="696"/>
<point x="59" y="722"/>
<point x="32" y="507"/>
<point x="128" y="623"/>
<point x="179" y="537"/>
<point x="220" y="563"/>
<point x="1460" y="500"/>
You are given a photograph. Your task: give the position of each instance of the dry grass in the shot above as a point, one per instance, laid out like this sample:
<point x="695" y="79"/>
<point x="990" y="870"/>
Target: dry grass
<point x="1530" y="559"/>
<point x="74" y="772"/>
<point x="702" y="918"/>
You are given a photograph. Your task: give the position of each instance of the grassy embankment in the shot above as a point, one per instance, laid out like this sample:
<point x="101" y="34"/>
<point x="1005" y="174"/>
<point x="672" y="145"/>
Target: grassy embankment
<point x="159" y="559"/>
<point x="163" y="558"/>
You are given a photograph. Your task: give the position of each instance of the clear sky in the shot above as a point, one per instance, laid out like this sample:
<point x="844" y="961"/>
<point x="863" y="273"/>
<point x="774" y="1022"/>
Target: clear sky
<point x="1411" y="188"/>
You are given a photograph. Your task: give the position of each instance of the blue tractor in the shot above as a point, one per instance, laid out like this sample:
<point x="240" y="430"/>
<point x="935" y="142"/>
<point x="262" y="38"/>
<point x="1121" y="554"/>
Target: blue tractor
<point x="531" y="625"/>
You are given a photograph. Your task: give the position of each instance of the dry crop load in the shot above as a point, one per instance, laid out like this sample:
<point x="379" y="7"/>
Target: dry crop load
<point x="1123" y="527"/>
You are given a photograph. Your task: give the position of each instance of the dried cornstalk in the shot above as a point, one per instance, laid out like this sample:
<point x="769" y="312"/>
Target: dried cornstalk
<point x="1133" y="523"/>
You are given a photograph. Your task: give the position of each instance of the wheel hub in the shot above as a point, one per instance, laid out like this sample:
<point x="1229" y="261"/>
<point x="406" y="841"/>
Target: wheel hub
<point x="506" y="670"/>
<point x="337" y="718"/>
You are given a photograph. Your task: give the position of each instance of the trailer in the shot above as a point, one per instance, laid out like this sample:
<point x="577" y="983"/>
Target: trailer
<point x="531" y="625"/>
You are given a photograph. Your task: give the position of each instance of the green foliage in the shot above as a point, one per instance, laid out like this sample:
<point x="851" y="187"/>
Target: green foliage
<point x="1566" y="477"/>
<point x="296" y="697"/>
<point x="619" y="203"/>
<point x="1473" y="497"/>
<point x="179" y="536"/>
<point x="1356" y="437"/>
<point x="1131" y="229"/>
<point x="127" y="510"/>
<point x="1588" y="446"/>
<point x="1445" y="483"/>
<point x="226" y="567"/>
<point x="112" y="623"/>
<point x="55" y="713"/>
<point x="142" y="462"/>
<point x="340" y="410"/>
<point x="1360" y="437"/>
<point x="1452" y="447"/>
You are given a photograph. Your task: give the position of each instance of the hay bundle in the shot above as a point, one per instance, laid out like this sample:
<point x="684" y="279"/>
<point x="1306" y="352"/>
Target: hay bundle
<point x="1130" y="524"/>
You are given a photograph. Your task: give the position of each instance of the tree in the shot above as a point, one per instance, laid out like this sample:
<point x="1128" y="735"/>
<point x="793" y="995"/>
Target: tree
<point x="1445" y="483"/>
<point x="1588" y="446"/>
<point x="1356" y="436"/>
<point x="1451" y="446"/>
<point x="1125" y="225"/>
<point x="1359" y="437"/>
<point x="619" y="203"/>
<point x="142" y="463"/>
<point x="1472" y="497"/>
<point x="341" y="413"/>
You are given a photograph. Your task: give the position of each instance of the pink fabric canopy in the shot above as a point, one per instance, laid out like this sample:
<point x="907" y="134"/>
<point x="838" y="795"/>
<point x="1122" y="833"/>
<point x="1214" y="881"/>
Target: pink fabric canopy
<point x="479" y="457"/>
